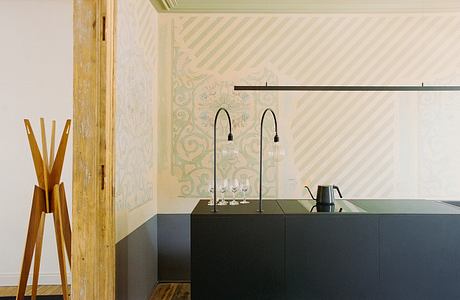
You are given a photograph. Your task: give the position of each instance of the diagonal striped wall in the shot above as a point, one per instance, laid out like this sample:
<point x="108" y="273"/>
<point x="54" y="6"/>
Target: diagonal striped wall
<point x="322" y="49"/>
<point x="365" y="142"/>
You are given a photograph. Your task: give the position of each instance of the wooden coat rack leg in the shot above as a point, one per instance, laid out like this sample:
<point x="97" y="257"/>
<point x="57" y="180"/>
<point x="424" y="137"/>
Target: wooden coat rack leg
<point x="38" y="253"/>
<point x="38" y="206"/>
<point x="49" y="198"/>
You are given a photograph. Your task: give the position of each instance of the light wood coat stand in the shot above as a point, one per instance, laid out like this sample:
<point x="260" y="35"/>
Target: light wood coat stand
<point x="48" y="198"/>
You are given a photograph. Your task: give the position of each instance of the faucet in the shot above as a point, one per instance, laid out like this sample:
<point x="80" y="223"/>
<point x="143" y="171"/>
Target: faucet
<point x="229" y="138"/>
<point x="276" y="139"/>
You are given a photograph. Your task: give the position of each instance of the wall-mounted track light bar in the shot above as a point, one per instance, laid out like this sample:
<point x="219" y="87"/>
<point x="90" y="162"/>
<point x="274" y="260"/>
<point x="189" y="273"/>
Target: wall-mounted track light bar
<point x="349" y="88"/>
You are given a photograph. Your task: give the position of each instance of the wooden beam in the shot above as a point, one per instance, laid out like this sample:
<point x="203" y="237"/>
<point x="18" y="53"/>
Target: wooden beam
<point x="93" y="239"/>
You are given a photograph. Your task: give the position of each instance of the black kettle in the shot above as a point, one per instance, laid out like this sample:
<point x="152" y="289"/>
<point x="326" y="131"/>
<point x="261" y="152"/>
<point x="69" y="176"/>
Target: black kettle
<point x="325" y="194"/>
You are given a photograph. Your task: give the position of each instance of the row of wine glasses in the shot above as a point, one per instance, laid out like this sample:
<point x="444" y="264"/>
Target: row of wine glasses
<point x="235" y="186"/>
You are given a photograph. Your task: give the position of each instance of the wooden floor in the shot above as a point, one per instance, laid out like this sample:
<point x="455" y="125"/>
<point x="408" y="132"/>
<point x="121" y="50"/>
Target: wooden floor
<point x="171" y="291"/>
<point x="163" y="291"/>
<point x="7" y="291"/>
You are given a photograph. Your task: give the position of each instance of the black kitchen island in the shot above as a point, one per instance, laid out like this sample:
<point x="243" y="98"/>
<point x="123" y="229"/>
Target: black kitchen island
<point x="365" y="249"/>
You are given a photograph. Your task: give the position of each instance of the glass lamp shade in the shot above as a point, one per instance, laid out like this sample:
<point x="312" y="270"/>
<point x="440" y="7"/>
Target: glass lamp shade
<point x="276" y="152"/>
<point x="229" y="151"/>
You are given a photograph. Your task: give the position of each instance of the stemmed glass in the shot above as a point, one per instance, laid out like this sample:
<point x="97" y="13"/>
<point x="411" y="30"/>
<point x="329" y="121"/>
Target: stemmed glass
<point x="235" y="186"/>
<point x="211" y="191"/>
<point x="244" y="188"/>
<point x="223" y="185"/>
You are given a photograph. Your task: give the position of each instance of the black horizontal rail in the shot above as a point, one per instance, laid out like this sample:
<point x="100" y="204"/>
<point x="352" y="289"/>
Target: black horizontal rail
<point x="348" y="88"/>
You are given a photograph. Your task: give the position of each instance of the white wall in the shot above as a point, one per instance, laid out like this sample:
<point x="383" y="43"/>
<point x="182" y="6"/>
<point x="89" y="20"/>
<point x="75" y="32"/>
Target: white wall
<point x="35" y="81"/>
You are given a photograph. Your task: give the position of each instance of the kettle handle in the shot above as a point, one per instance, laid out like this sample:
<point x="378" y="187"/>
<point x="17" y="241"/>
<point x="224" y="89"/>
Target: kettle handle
<point x="338" y="190"/>
<point x="310" y="192"/>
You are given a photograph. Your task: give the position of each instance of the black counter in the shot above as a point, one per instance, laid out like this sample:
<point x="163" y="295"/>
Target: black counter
<point x="238" y="253"/>
<point x="270" y="207"/>
<point x="373" y="249"/>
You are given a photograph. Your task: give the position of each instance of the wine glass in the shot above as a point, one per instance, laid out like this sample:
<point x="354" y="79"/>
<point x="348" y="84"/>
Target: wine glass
<point x="223" y="185"/>
<point x="235" y="186"/>
<point x="244" y="188"/>
<point x="211" y="191"/>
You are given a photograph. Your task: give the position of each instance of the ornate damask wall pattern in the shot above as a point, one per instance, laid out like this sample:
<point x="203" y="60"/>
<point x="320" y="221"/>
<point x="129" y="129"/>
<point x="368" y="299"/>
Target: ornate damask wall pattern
<point x="196" y="98"/>
<point x="135" y="123"/>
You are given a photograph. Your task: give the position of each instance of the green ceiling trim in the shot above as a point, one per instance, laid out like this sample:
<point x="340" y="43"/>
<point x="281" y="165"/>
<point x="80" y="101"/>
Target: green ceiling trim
<point x="306" y="6"/>
<point x="159" y="6"/>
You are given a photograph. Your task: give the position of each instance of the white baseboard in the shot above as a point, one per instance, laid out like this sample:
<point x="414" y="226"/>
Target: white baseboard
<point x="44" y="279"/>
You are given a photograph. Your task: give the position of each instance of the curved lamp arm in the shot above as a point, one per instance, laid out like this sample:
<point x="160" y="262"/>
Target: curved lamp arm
<point x="229" y="138"/>
<point x="276" y="139"/>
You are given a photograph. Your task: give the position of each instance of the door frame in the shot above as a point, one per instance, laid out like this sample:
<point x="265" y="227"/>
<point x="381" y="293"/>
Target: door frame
<point x="93" y="210"/>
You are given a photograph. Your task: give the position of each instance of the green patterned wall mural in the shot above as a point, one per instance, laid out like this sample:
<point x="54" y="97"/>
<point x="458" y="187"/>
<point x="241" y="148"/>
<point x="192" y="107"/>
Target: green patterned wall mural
<point x="196" y="98"/>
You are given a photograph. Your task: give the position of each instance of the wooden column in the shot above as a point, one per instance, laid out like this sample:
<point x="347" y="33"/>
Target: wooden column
<point x="93" y="239"/>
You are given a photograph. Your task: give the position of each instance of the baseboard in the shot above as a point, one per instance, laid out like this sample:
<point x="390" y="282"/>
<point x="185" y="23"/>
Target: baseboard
<point x="175" y="281"/>
<point x="44" y="279"/>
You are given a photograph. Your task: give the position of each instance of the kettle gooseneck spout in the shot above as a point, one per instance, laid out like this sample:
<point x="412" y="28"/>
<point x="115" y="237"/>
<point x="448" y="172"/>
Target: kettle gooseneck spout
<point x="310" y="192"/>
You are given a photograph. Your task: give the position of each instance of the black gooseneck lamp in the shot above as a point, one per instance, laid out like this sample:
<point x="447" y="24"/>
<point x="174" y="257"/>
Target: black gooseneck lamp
<point x="276" y="139"/>
<point x="229" y="138"/>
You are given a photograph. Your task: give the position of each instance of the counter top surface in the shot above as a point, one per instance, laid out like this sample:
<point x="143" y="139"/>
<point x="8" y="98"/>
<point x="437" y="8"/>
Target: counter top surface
<point x="270" y="207"/>
<point x="343" y="206"/>
<point x="406" y="206"/>
<point x="375" y="206"/>
<point x="309" y="206"/>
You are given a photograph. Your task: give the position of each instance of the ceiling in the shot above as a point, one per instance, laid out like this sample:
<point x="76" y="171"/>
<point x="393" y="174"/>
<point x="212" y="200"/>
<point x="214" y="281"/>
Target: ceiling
<point x="309" y="6"/>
